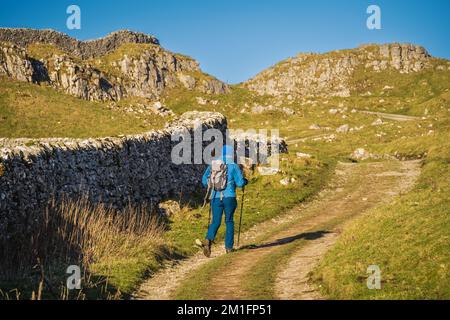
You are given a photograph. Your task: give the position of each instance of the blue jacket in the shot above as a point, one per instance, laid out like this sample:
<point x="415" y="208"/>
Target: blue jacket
<point x="234" y="179"/>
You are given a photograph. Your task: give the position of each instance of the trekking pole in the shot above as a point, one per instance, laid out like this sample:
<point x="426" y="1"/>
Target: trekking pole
<point x="240" y="219"/>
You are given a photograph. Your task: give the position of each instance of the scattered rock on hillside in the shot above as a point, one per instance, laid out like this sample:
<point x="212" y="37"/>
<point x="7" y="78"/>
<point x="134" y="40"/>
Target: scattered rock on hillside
<point x="301" y="155"/>
<point x="161" y="110"/>
<point x="267" y="171"/>
<point x="169" y="208"/>
<point x="333" y="111"/>
<point x="202" y="101"/>
<point x="213" y="86"/>
<point x="360" y="154"/>
<point x="314" y="127"/>
<point x="378" y="122"/>
<point x="343" y="129"/>
<point x="262" y="109"/>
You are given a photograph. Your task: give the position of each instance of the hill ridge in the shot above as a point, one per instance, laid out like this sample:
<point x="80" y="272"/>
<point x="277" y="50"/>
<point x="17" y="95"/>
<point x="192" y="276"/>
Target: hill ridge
<point x="24" y="37"/>
<point x="328" y="74"/>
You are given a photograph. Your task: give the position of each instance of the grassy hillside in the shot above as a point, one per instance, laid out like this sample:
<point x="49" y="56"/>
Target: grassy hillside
<point x="408" y="239"/>
<point x="412" y="94"/>
<point x="32" y="111"/>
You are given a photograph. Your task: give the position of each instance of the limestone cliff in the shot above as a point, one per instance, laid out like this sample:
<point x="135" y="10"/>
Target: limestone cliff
<point x="330" y="74"/>
<point x="123" y="64"/>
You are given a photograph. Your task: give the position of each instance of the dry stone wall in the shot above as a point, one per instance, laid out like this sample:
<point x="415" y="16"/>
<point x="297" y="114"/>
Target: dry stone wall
<point x="116" y="171"/>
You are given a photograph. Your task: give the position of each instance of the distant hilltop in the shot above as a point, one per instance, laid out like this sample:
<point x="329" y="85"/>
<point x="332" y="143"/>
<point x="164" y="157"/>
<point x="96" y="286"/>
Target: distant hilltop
<point x="339" y="73"/>
<point x="81" y="49"/>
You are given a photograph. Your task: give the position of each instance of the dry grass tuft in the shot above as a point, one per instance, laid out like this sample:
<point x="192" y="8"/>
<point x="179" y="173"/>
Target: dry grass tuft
<point x="95" y="238"/>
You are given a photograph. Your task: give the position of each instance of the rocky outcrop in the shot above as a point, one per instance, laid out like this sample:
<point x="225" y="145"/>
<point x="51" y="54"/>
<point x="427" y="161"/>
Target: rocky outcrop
<point x="152" y="71"/>
<point x="81" y="81"/>
<point x="405" y="58"/>
<point x="213" y="86"/>
<point x="79" y="49"/>
<point x="123" y="64"/>
<point x="14" y="63"/>
<point x="328" y="75"/>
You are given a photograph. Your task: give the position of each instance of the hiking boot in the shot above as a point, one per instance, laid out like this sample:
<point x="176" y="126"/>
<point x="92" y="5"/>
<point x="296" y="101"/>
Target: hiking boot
<point x="230" y="251"/>
<point x="207" y="248"/>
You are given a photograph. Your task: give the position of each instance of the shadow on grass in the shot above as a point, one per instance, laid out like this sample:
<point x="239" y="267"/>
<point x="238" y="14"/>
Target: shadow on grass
<point x="279" y="242"/>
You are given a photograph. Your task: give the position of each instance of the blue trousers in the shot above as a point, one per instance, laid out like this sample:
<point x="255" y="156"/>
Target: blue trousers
<point x="227" y="205"/>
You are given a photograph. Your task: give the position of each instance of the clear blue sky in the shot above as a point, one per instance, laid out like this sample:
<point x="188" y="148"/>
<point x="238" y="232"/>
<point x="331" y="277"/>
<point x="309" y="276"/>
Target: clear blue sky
<point x="235" y="39"/>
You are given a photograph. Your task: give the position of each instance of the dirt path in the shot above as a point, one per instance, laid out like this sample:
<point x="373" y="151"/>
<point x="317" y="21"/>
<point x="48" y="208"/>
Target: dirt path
<point x="354" y="189"/>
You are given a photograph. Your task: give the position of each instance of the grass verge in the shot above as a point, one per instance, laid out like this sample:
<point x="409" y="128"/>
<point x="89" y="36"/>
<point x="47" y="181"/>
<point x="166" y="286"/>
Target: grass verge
<point x="407" y="239"/>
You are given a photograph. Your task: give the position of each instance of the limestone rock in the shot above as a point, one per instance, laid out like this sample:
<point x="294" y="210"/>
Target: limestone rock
<point x="213" y="86"/>
<point x="14" y="63"/>
<point x="189" y="82"/>
<point x="301" y="155"/>
<point x="330" y="74"/>
<point x="343" y="129"/>
<point x="333" y="111"/>
<point x="262" y="109"/>
<point x="360" y="154"/>
<point x="314" y="127"/>
<point x="267" y="171"/>
<point x="161" y="110"/>
<point x="145" y="71"/>
<point x="169" y="208"/>
<point x="201" y="101"/>
<point x="378" y="122"/>
<point x="81" y="49"/>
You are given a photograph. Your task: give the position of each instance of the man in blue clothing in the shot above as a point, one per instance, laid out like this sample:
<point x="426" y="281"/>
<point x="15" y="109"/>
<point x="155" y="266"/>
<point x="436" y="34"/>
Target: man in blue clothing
<point x="224" y="201"/>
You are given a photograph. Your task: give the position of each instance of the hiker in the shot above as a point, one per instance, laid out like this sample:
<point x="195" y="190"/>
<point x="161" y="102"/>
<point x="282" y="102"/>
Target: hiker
<point x="226" y="177"/>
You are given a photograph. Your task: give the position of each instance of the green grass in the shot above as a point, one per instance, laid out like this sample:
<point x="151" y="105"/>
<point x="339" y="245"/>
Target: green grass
<point x="125" y="274"/>
<point x="407" y="239"/>
<point x="32" y="111"/>
<point x="41" y="51"/>
<point x="260" y="284"/>
<point x="196" y="286"/>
